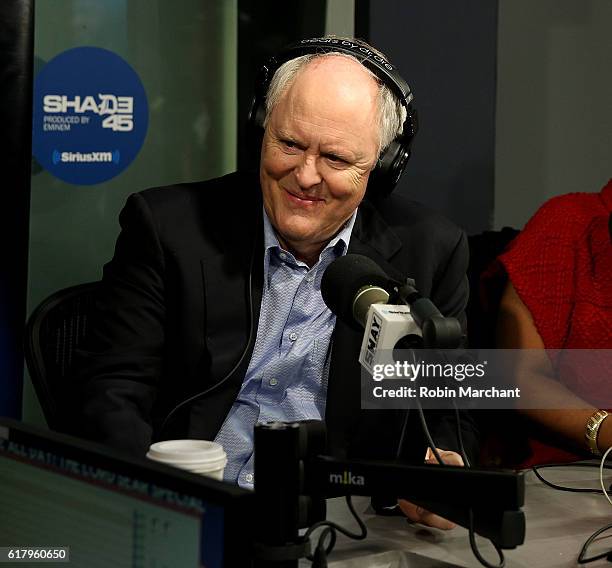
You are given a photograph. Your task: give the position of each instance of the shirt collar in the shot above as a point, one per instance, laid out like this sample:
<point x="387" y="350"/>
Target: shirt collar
<point x="339" y="243"/>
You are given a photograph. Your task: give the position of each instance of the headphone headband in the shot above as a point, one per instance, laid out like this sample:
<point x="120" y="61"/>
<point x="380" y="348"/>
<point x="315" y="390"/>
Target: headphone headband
<point x="384" y="70"/>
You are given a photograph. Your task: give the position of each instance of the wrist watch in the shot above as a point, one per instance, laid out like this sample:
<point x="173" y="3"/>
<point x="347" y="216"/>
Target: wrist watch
<point x="592" y="429"/>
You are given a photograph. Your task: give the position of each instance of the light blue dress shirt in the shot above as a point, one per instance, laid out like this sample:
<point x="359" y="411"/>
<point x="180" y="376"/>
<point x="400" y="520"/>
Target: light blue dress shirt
<point x="287" y="375"/>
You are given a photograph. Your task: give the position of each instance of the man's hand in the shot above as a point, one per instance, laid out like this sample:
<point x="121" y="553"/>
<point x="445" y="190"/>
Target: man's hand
<point x="417" y="514"/>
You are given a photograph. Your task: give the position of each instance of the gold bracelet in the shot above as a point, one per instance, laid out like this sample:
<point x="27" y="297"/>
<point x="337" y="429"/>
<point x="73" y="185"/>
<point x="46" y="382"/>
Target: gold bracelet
<point x="592" y="429"/>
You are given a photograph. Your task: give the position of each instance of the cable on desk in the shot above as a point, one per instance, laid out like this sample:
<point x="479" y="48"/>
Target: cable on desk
<point x="585" y="547"/>
<point x="319" y="558"/>
<point x="536" y="469"/>
<point x="601" y="468"/>
<point x="582" y="558"/>
<point x="474" y="546"/>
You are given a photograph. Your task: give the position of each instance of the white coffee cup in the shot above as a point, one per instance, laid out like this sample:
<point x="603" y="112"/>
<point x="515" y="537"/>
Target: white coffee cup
<point x="198" y="456"/>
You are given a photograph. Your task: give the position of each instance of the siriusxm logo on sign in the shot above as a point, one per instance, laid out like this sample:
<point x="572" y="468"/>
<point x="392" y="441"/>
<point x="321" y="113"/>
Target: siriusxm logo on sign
<point x="119" y="109"/>
<point x="90" y="115"/>
<point x="64" y="157"/>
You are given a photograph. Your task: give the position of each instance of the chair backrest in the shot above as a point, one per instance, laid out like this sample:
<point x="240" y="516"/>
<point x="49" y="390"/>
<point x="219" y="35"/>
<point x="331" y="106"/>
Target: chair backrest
<point x="503" y="441"/>
<point x="484" y="249"/>
<point x="53" y="331"/>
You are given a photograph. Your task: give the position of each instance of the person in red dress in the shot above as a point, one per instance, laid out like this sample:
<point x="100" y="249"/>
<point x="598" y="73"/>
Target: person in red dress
<point x="558" y="295"/>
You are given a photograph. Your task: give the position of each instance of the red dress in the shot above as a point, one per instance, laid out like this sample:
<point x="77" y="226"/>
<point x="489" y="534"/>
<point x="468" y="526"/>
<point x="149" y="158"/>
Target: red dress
<point x="561" y="268"/>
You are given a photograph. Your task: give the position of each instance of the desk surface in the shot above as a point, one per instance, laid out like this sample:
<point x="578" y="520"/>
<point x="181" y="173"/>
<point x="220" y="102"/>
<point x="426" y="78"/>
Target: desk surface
<point x="558" y="523"/>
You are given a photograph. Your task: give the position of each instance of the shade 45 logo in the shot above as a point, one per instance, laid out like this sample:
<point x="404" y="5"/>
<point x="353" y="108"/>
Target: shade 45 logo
<point x="119" y="111"/>
<point x="90" y="115"/>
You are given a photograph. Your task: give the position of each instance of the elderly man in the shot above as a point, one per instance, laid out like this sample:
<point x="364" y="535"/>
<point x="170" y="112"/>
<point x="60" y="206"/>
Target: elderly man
<point x="210" y="317"/>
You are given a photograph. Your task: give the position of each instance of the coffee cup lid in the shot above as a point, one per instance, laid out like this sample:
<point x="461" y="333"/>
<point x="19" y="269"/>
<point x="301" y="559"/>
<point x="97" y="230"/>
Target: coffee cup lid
<point x="186" y="451"/>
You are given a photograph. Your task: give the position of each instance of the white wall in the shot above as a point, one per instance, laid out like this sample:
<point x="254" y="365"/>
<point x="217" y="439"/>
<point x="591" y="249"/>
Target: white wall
<point x="554" y="103"/>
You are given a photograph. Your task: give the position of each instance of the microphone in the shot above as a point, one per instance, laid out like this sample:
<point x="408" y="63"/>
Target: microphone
<point x="351" y="284"/>
<point x="357" y="290"/>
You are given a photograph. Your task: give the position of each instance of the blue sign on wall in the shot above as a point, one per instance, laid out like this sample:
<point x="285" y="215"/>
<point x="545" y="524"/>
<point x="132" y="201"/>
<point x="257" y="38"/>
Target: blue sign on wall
<point x="90" y="115"/>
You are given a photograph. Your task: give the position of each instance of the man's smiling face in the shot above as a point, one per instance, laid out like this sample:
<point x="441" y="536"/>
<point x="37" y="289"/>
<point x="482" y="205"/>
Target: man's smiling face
<point x="320" y="144"/>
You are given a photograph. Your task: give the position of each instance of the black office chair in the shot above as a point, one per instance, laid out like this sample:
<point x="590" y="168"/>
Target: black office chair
<point x="53" y="331"/>
<point x="484" y="249"/>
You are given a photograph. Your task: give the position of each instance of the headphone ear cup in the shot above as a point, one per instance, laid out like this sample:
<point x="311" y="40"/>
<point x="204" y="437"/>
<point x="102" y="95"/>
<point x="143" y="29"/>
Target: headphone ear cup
<point x="399" y="165"/>
<point x="388" y="170"/>
<point x="392" y="163"/>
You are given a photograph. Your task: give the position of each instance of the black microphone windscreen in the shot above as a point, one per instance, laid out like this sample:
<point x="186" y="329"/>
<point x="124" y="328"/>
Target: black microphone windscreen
<point x="343" y="279"/>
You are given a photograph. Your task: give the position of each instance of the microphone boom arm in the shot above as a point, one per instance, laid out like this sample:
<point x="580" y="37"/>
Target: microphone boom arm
<point x="439" y="332"/>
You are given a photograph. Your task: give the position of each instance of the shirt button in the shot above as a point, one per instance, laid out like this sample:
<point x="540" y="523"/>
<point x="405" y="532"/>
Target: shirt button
<point x="282" y="255"/>
<point x="293" y="336"/>
<point x="249" y="477"/>
<point x="309" y="278"/>
<point x="273" y="382"/>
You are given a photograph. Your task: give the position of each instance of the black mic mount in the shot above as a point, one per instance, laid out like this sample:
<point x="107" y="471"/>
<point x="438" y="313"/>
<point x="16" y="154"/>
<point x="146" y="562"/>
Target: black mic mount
<point x="293" y="478"/>
<point x="439" y="332"/>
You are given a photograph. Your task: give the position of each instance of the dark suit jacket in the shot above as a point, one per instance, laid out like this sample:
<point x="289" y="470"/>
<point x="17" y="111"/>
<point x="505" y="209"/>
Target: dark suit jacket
<point x="172" y="317"/>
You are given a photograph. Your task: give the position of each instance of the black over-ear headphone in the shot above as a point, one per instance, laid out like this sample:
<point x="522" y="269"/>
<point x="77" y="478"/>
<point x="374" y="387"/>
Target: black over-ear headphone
<point x="392" y="161"/>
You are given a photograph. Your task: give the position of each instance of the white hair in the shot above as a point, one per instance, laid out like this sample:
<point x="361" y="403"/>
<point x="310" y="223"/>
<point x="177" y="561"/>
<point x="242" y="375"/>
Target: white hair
<point x="391" y="112"/>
